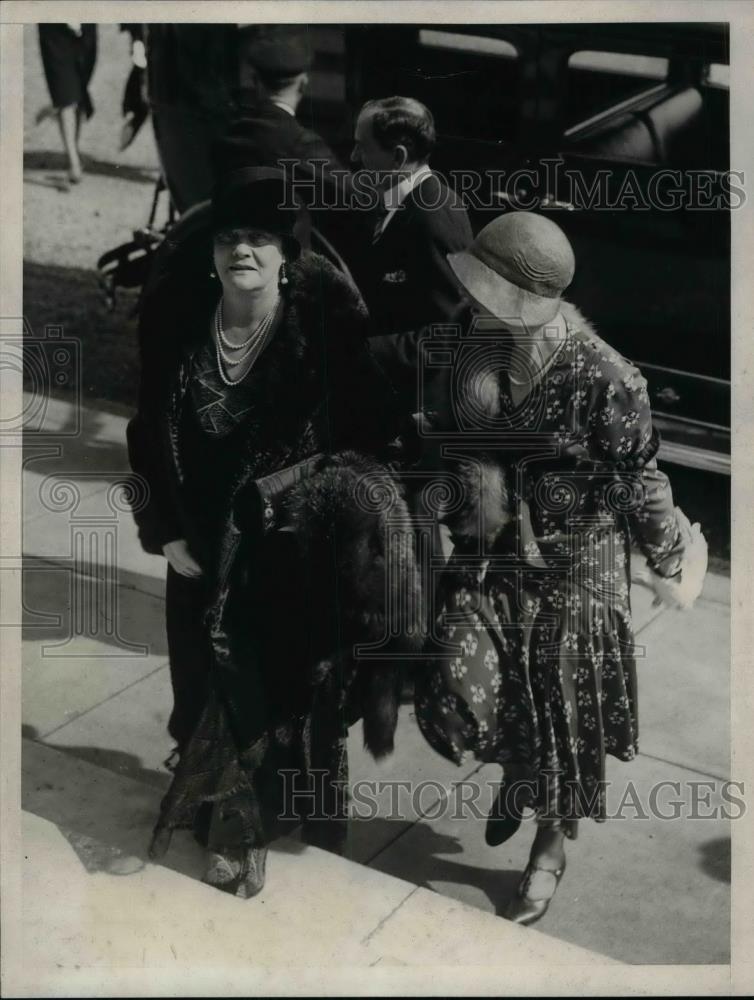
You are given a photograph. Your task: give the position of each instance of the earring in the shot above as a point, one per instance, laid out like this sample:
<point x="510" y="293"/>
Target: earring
<point x="283" y="274"/>
<point x="212" y="274"/>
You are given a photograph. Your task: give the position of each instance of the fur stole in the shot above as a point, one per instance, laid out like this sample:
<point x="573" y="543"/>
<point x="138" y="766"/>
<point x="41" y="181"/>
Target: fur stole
<point x="356" y="536"/>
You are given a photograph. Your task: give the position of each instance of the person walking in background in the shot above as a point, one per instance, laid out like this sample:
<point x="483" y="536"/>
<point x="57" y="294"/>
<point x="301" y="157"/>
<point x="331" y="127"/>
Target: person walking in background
<point x="274" y="64"/>
<point x="192" y="76"/>
<point x="69" y="54"/>
<point x="274" y="73"/>
<point x="235" y="86"/>
<point x="135" y="103"/>
<point x="403" y="272"/>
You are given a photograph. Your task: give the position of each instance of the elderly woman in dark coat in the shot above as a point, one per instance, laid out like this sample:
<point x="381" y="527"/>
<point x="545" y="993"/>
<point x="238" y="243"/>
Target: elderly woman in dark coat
<point x="538" y="672"/>
<point x="254" y="372"/>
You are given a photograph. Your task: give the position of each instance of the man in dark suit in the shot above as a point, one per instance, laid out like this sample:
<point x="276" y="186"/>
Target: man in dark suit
<point x="274" y="63"/>
<point x="238" y="86"/>
<point x="403" y="272"/>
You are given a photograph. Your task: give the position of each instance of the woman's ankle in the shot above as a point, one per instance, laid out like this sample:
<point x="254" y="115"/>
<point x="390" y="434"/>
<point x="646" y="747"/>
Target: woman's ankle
<point x="548" y="849"/>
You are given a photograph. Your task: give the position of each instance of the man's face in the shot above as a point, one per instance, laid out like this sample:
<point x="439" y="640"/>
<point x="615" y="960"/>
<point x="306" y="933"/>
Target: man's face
<point x="367" y="152"/>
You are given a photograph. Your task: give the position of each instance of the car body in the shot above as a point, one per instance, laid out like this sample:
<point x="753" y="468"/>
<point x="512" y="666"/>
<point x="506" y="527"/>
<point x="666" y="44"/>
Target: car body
<point x="620" y="133"/>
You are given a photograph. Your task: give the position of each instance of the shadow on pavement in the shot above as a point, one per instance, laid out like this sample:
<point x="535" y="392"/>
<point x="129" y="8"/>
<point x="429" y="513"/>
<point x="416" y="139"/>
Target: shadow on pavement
<point x="107" y="823"/>
<point x="423" y="862"/>
<point x="716" y="859"/>
<point x="54" y="596"/>
<point x="84" y="446"/>
<point x="44" y="159"/>
<point x="107" y="819"/>
<point x="54" y="181"/>
<point x="126" y="764"/>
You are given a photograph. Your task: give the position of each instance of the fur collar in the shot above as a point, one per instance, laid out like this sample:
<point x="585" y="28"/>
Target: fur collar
<point x="485" y="509"/>
<point x="576" y="319"/>
<point x="320" y="302"/>
<point x="317" y="295"/>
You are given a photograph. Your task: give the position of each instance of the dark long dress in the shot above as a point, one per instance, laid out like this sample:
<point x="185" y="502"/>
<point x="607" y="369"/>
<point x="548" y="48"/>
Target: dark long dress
<point x="259" y="658"/>
<point x="303" y="731"/>
<point x="68" y="60"/>
<point x="544" y="672"/>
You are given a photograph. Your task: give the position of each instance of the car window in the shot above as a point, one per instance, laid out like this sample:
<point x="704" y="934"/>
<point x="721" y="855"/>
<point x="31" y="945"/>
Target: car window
<point x="718" y="75"/>
<point x="469" y="81"/>
<point x="457" y="42"/>
<point x="597" y="81"/>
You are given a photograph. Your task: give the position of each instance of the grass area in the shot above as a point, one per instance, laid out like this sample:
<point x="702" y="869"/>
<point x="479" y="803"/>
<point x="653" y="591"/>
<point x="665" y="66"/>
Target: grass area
<point x="70" y="298"/>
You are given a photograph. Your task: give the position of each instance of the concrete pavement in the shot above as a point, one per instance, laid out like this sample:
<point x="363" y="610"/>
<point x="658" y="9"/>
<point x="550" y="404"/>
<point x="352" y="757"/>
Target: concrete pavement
<point x="95" y="707"/>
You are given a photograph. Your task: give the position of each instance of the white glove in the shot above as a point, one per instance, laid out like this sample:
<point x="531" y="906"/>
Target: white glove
<point x="178" y="555"/>
<point x="681" y="592"/>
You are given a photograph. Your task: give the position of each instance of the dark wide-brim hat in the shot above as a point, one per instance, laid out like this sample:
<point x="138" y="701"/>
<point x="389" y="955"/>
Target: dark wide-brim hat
<point x="517" y="267"/>
<point x="261" y="198"/>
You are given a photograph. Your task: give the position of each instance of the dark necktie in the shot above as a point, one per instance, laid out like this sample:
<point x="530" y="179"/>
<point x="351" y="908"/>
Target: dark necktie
<point x="380" y="216"/>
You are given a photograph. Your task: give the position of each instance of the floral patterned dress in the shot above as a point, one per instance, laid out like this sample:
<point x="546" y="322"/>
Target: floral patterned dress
<point x="532" y="662"/>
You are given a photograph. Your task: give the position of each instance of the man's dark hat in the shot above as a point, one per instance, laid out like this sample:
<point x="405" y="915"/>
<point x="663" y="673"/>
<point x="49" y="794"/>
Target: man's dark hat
<point x="277" y="49"/>
<point x="262" y="198"/>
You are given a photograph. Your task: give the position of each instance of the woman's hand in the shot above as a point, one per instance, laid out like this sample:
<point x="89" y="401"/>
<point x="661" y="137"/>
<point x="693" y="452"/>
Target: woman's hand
<point x="683" y="593"/>
<point x="178" y="555"/>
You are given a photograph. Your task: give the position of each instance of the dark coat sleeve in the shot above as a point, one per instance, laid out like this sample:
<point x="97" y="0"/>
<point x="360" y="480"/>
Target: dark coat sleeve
<point x="435" y="294"/>
<point x="154" y="509"/>
<point x="312" y="147"/>
<point x="363" y="410"/>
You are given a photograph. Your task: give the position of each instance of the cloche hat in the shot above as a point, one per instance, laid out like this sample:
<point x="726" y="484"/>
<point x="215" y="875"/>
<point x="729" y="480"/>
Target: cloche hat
<point x="517" y="267"/>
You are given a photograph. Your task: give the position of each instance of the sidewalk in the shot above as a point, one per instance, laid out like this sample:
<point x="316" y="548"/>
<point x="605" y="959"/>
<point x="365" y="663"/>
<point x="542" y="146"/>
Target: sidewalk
<point x="95" y="709"/>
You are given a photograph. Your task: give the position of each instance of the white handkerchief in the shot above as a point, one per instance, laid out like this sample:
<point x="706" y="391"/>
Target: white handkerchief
<point x="682" y="592"/>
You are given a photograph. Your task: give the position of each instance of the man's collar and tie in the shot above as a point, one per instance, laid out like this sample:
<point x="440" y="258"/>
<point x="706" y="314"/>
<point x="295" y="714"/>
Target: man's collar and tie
<point x="285" y="107"/>
<point x="392" y="199"/>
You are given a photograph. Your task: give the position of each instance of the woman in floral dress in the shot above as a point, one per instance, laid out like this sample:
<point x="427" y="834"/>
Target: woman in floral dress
<point x="533" y="663"/>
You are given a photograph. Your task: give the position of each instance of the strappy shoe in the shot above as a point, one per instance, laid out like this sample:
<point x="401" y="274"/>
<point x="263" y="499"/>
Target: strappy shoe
<point x="543" y="882"/>
<point x="505" y="816"/>
<point x="239" y="871"/>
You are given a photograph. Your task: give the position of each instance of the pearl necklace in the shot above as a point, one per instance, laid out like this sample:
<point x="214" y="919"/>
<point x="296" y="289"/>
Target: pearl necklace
<point x="251" y="346"/>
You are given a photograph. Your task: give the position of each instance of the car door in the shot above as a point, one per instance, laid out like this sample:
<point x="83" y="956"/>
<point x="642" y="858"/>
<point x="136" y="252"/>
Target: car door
<point x="642" y="149"/>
